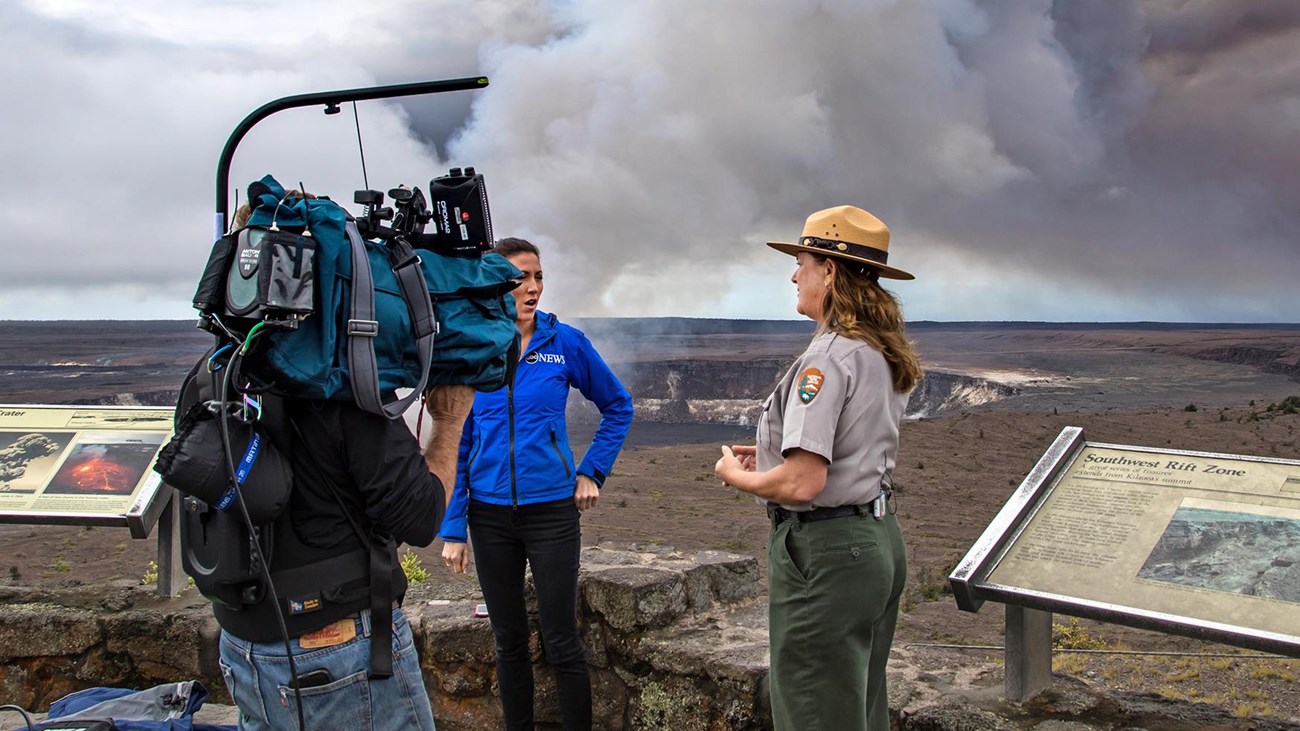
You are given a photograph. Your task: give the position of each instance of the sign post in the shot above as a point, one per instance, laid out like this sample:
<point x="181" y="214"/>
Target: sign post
<point x="171" y="574"/>
<point x="1028" y="654"/>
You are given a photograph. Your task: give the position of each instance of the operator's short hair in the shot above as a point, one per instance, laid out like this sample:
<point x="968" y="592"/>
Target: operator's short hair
<point x="244" y="211"/>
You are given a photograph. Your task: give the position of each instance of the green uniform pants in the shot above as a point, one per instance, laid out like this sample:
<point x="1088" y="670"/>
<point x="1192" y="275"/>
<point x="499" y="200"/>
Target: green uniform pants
<point x="833" y="604"/>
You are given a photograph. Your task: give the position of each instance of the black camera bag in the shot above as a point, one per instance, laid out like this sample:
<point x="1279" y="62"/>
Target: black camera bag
<point x="216" y="542"/>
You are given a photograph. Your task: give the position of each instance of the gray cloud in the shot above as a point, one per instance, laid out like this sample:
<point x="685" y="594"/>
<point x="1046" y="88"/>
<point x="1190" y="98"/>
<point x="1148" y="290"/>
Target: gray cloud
<point x="1087" y="159"/>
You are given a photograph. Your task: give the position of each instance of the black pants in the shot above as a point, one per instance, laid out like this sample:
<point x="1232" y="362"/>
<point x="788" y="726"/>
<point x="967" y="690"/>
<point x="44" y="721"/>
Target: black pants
<point x="547" y="536"/>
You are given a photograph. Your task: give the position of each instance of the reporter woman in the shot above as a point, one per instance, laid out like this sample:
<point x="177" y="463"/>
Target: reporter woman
<point x="521" y="493"/>
<point x="826" y="446"/>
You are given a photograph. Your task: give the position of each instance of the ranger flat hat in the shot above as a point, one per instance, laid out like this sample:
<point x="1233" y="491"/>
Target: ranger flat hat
<point x="846" y="232"/>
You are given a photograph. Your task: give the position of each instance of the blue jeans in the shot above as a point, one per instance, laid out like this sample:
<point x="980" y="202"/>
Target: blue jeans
<point x="257" y="676"/>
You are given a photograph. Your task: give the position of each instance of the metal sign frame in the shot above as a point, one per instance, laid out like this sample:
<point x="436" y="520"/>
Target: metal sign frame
<point x="970" y="580"/>
<point x="150" y="495"/>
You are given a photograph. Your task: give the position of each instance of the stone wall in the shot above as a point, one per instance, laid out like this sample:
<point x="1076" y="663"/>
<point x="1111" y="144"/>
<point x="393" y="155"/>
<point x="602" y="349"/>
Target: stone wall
<point x="671" y="639"/>
<point x="675" y="640"/>
<point x="52" y="643"/>
<point x="654" y="622"/>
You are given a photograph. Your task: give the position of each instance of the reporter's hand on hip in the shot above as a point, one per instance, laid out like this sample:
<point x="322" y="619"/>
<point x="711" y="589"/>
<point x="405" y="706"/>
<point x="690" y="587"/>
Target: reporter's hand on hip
<point x="586" y="493"/>
<point x="456" y="556"/>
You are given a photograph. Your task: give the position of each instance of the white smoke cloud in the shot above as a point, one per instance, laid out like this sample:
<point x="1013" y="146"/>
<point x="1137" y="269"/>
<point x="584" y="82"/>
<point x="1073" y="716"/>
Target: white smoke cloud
<point x="1077" y="160"/>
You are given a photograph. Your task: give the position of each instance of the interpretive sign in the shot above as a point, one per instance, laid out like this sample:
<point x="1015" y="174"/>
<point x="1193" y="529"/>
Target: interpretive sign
<point x="1194" y="543"/>
<point x="82" y="465"/>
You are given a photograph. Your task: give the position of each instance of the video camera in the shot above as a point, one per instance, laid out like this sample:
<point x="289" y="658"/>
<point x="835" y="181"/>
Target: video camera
<point x="267" y="276"/>
<point x="458" y="210"/>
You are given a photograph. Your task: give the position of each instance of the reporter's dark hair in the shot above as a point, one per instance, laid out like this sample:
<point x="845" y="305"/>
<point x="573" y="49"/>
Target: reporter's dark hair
<point x="510" y="246"/>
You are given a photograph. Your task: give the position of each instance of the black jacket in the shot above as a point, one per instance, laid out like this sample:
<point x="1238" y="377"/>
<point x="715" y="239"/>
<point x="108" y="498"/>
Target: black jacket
<point x="377" y="465"/>
<point x="341" y="456"/>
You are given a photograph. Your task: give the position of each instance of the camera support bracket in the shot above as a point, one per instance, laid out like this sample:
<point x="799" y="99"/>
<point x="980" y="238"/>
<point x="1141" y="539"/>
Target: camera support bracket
<point x="331" y="100"/>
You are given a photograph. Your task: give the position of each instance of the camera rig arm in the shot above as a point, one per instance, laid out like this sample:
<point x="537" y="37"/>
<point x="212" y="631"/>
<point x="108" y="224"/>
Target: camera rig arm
<point x="331" y="101"/>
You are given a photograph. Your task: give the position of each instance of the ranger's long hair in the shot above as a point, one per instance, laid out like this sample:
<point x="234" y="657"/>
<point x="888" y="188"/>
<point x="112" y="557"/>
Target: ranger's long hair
<point x="857" y="307"/>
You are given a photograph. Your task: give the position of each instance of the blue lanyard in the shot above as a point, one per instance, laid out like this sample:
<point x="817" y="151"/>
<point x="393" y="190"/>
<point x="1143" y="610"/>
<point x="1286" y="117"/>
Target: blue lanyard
<point x="241" y="472"/>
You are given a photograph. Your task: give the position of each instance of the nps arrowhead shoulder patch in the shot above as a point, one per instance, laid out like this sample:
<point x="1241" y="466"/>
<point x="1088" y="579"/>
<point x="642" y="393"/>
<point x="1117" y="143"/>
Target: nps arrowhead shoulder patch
<point x="810" y="384"/>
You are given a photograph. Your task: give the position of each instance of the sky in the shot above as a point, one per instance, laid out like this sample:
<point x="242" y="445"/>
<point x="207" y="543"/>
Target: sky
<point x="1078" y="160"/>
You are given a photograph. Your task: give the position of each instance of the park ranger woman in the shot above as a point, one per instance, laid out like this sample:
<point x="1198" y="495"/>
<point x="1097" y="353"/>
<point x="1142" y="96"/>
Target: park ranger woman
<point x="826" y="445"/>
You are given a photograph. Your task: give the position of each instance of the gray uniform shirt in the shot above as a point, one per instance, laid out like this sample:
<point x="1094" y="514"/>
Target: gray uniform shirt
<point x="837" y="401"/>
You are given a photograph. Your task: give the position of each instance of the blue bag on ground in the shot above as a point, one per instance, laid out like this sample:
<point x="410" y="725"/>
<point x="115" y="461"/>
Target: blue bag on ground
<point x="167" y="707"/>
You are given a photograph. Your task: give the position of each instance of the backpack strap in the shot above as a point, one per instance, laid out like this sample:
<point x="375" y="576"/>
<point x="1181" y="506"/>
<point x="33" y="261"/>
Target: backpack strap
<point x="381" y="549"/>
<point x="362" y="326"/>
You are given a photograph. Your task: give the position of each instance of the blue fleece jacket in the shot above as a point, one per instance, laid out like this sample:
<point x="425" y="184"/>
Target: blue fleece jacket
<point x="515" y="447"/>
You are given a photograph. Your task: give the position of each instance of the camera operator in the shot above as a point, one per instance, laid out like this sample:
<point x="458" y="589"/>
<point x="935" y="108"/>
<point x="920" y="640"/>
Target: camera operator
<point x="355" y="474"/>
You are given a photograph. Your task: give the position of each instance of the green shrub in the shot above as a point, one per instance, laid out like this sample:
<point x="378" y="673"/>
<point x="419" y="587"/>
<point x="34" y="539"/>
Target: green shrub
<point x="413" y="567"/>
<point x="1074" y="637"/>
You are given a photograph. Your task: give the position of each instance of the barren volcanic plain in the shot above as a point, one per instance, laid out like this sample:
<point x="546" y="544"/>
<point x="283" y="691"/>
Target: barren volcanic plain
<point x="1006" y="391"/>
